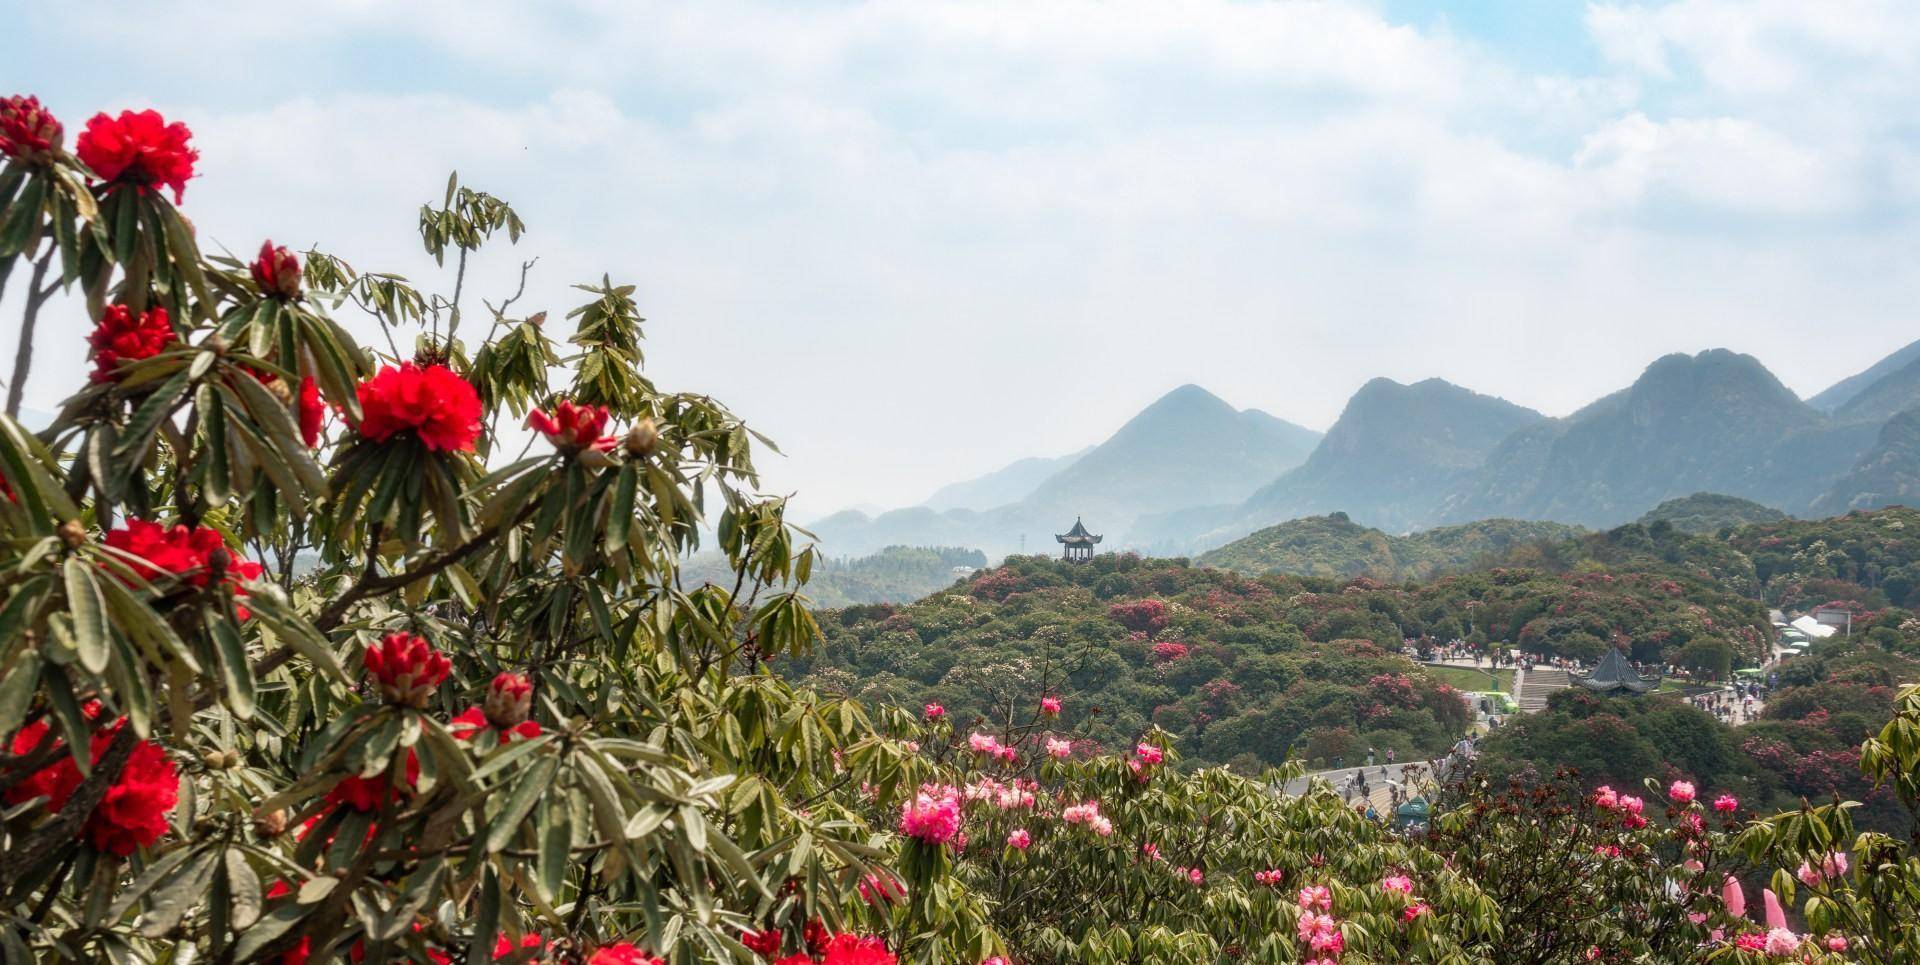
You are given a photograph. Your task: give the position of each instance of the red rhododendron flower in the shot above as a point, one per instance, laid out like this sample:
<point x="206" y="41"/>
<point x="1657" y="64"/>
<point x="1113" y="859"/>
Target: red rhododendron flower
<point x="473" y="720"/>
<point x="132" y="815"/>
<point x="439" y="406"/>
<point x="766" y="944"/>
<point x="503" y="946"/>
<point x="276" y="271"/>
<point x="857" y="950"/>
<point x="122" y="336"/>
<point x="313" y="412"/>
<point x="509" y="699"/>
<point x="407" y="668"/>
<point x="27" y="129"/>
<point x="138" y="147"/>
<point x="622" y="953"/>
<point x="365" y="794"/>
<point x="572" y="428"/>
<point x="188" y="555"/>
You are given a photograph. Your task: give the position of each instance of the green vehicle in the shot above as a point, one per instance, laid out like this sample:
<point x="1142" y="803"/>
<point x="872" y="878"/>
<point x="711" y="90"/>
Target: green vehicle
<point x="1495" y="702"/>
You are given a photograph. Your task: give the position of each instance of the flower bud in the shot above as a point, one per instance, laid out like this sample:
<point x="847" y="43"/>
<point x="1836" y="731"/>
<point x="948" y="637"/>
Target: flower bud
<point x="215" y="760"/>
<point x="407" y="668"/>
<point x="642" y="438"/>
<point x="509" y="699"/>
<point x="270" y="824"/>
<point x="279" y="389"/>
<point x="73" y="533"/>
<point x="28" y="131"/>
<point x="276" y="271"/>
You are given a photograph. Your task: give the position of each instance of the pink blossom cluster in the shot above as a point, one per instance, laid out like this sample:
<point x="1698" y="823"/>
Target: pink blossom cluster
<point x="1005" y="796"/>
<point x="1270" y="877"/>
<point x="1145" y="758"/>
<point x="1832" y="866"/>
<point x="932" y="817"/>
<point x="1059" y="749"/>
<point x="1089" y="815"/>
<point x="988" y="745"/>
<point x="1628" y="806"/>
<point x="1019" y="839"/>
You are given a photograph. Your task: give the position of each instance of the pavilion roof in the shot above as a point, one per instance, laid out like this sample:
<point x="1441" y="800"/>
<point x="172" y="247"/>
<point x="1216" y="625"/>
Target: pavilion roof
<point x="1613" y="672"/>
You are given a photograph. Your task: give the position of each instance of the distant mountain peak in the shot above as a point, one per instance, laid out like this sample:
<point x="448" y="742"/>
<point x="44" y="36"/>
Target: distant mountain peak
<point x="1843" y="391"/>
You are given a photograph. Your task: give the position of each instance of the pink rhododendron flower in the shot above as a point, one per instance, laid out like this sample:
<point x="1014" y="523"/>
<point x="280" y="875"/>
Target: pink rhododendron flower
<point x="1149" y="754"/>
<point x="1059" y="749"/>
<point x="1750" y="941"/>
<point x="1605" y="798"/>
<point x="1726" y="804"/>
<point x="1270" y="877"/>
<point x="1681" y="792"/>
<point x="1399" y="883"/>
<point x="1050" y="706"/>
<point x="930" y="818"/>
<point x="1836" y="943"/>
<point x="935" y="712"/>
<point x="983" y="744"/>
<point x="1019" y="840"/>
<point x="1315" y="896"/>
<point x="1781" y="941"/>
<point x="1414" y="910"/>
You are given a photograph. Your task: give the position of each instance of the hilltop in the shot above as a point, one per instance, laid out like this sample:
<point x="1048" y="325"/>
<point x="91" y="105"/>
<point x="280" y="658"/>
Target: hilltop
<point x="1334" y="545"/>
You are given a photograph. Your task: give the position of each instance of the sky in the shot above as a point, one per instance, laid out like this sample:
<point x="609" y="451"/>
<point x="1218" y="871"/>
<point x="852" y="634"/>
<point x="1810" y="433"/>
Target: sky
<point x="913" y="242"/>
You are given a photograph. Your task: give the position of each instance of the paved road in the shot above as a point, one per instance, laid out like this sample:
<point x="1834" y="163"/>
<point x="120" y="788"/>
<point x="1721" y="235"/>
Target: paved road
<point x="1379" y="788"/>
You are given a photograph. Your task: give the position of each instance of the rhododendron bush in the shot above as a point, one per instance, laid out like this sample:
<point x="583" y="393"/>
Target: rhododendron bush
<point x="298" y="662"/>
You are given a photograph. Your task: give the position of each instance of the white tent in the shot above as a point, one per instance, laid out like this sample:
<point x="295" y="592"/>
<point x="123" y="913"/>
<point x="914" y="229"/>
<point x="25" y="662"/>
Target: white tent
<point x="1814" y="628"/>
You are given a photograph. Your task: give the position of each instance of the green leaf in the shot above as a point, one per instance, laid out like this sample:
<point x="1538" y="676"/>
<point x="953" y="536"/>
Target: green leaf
<point x="236" y="677"/>
<point x="89" y="616"/>
<point x="536" y="782"/>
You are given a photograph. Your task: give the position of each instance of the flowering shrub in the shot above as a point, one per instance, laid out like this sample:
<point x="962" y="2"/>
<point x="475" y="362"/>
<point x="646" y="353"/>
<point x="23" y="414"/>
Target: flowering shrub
<point x="270" y="693"/>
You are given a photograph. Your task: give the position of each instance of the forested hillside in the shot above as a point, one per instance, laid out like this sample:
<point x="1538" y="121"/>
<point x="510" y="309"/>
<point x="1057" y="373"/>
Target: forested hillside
<point x="1251" y="670"/>
<point x="1334" y="545"/>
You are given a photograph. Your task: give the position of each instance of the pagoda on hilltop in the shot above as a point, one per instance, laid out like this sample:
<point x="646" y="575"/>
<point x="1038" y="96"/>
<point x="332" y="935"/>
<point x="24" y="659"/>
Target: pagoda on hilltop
<point x="1077" y="544"/>
<point x="1614" y="673"/>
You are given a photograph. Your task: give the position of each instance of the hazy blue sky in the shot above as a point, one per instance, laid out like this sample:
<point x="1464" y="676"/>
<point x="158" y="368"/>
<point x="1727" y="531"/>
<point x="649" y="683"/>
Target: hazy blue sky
<point x="913" y="241"/>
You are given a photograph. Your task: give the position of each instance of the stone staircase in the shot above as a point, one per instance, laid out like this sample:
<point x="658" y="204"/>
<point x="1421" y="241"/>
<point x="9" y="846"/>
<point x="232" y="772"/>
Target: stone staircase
<point x="1533" y="687"/>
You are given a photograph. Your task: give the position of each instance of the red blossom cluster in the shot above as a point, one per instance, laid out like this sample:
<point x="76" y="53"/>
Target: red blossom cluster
<point x="407" y="668"/>
<point x="121" y="337"/>
<point x="190" y="555"/>
<point x="27" y="129"/>
<point x="138" y="148"/>
<point x="134" y="812"/>
<point x="1148" y="616"/>
<point x="572" y="427"/>
<point x="437" y="405"/>
<point x="277" y="271"/>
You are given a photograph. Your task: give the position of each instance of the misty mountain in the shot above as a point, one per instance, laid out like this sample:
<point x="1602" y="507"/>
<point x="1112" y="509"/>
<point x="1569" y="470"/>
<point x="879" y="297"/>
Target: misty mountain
<point x="1893" y="393"/>
<point x="1387" y="462"/>
<point x="1843" y="391"/>
<point x="1717" y="421"/>
<point x="1189" y="448"/>
<point x="1008" y="484"/>
<point x="1886" y="475"/>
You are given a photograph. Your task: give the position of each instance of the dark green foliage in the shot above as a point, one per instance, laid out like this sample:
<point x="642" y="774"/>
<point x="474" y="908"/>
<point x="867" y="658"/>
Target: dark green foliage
<point x="1710" y="513"/>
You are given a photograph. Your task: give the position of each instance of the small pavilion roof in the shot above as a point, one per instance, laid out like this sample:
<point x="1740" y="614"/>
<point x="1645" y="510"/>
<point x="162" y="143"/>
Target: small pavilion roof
<point x="1078" y="534"/>
<point x="1615" y="673"/>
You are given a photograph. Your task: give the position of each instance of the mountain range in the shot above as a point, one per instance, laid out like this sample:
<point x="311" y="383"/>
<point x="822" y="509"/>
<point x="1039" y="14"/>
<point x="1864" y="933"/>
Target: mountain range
<point x="1191" y="473"/>
<point x="1188" y="448"/>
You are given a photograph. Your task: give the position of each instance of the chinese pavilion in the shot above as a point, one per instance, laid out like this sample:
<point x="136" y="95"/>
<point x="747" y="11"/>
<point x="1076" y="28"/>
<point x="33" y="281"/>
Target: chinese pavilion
<point x="1077" y="544"/>
<point x="1614" y="673"/>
